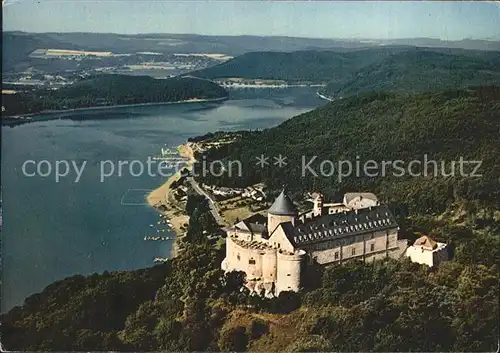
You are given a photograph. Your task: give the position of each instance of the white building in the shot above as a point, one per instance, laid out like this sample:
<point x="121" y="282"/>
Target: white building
<point x="427" y="251"/>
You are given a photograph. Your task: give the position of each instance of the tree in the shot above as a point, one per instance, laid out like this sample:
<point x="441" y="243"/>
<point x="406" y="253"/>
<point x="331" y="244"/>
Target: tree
<point x="233" y="339"/>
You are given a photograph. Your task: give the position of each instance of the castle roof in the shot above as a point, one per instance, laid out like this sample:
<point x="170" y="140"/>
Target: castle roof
<point x="342" y="224"/>
<point x="349" y="196"/>
<point x="426" y="242"/>
<point x="255" y="224"/>
<point x="283" y="206"/>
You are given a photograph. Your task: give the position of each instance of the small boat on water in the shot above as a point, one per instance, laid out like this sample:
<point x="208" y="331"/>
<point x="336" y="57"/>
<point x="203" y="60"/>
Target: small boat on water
<point x="160" y="259"/>
<point x="157" y="238"/>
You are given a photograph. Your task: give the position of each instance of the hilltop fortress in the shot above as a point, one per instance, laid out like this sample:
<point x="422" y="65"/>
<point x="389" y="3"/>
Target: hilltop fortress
<point x="272" y="250"/>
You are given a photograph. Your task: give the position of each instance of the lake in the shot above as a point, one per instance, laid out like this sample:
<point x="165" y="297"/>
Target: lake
<point x="55" y="229"/>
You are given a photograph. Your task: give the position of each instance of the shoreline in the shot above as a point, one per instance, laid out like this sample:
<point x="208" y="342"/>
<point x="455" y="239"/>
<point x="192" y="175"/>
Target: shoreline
<point x="322" y="96"/>
<point x="49" y="112"/>
<point x="159" y="199"/>
<point x="277" y="86"/>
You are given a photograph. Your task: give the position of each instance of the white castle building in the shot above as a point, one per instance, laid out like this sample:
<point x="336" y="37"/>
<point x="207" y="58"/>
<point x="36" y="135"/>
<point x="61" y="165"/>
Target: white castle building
<point x="427" y="251"/>
<point x="272" y="250"/>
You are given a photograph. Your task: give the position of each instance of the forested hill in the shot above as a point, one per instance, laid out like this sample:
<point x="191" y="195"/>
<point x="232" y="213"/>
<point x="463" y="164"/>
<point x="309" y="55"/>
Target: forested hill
<point x="104" y="90"/>
<point x="316" y="66"/>
<point x="420" y="71"/>
<point x="444" y="126"/>
<point x="387" y="69"/>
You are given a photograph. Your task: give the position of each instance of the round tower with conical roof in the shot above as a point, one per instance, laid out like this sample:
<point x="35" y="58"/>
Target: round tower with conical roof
<point x="282" y="210"/>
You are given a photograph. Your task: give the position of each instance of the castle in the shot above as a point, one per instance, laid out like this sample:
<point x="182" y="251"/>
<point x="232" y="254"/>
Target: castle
<point x="272" y="250"/>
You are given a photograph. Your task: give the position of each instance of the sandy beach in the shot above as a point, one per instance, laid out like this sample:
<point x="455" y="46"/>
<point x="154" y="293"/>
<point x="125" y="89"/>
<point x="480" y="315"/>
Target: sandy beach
<point x="162" y="201"/>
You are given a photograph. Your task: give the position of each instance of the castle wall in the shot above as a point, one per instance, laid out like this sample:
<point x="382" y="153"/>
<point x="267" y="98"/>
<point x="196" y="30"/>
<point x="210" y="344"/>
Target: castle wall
<point x="239" y="258"/>
<point x="428" y="257"/>
<point x="318" y="206"/>
<point x="376" y="256"/>
<point x="392" y="238"/>
<point x="373" y="245"/>
<point x="269" y="266"/>
<point x="289" y="271"/>
<point x="331" y="208"/>
<point x="440" y="256"/>
<point x="273" y="221"/>
<point x="279" y="240"/>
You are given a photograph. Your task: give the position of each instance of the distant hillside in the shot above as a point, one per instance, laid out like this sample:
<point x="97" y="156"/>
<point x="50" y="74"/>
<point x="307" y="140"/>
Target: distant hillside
<point x="233" y="45"/>
<point x="444" y="126"/>
<point x="418" y="70"/>
<point x="17" y="46"/>
<point x="105" y="90"/>
<point x="399" y="69"/>
<point x="317" y="66"/>
<point x="295" y="66"/>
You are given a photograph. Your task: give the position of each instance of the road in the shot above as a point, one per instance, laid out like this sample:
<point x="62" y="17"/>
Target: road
<point x="211" y="203"/>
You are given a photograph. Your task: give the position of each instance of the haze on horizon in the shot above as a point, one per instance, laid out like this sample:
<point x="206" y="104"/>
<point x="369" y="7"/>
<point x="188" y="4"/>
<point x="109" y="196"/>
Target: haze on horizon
<point x="447" y="20"/>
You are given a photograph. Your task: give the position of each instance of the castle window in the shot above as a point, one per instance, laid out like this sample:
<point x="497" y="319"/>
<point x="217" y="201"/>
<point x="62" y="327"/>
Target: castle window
<point x="238" y="257"/>
<point x="372" y="247"/>
<point x="353" y="251"/>
<point x="251" y="262"/>
<point x="288" y="275"/>
<point x="336" y="255"/>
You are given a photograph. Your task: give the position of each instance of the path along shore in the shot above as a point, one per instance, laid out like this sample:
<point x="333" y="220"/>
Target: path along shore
<point x="162" y="200"/>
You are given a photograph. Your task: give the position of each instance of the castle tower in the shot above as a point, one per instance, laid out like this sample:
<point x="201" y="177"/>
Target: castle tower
<point x="289" y="271"/>
<point x="282" y="210"/>
<point x="318" y="205"/>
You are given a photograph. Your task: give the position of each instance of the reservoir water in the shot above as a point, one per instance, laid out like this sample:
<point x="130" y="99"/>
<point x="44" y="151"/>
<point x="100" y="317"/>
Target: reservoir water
<point x="55" y="229"/>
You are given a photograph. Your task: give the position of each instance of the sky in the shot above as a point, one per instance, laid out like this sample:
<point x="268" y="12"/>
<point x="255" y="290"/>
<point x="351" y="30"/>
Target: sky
<point x="447" y="20"/>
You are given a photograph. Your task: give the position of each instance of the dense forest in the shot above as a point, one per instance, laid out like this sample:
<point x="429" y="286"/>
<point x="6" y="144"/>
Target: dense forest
<point x="316" y="66"/>
<point x="189" y="304"/>
<point x="104" y="90"/>
<point x="420" y="71"/>
<point x="441" y="127"/>
<point x="369" y="70"/>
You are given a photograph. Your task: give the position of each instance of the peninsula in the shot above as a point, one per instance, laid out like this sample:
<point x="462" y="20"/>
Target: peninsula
<point x="102" y="91"/>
